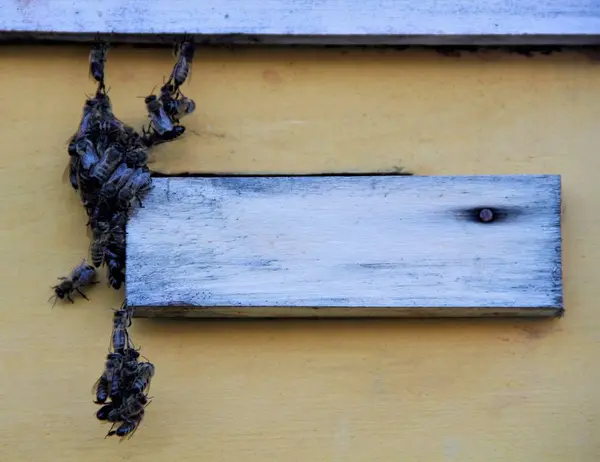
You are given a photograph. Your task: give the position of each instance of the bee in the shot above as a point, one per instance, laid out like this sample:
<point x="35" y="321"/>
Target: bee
<point x="175" y="103"/>
<point x="116" y="267"/>
<point x="136" y="157"/>
<point x="108" y="193"/>
<point x="73" y="167"/>
<point x="106" y="165"/>
<point x="87" y="153"/>
<point x="87" y="118"/>
<point x="102" y="388"/>
<point x="88" y="190"/>
<point x="120" y="336"/>
<point x="159" y="120"/>
<point x="130" y="361"/>
<point x="97" y="61"/>
<point x="139" y="182"/>
<point x="97" y="249"/>
<point x="142" y="376"/>
<point x="151" y="138"/>
<point x="181" y="70"/>
<point x="131" y="407"/>
<point x="102" y="413"/>
<point x="129" y="425"/>
<point x="81" y="276"/>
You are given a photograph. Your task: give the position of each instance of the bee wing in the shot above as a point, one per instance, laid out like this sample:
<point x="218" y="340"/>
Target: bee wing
<point x="70" y="172"/>
<point x="95" y="386"/>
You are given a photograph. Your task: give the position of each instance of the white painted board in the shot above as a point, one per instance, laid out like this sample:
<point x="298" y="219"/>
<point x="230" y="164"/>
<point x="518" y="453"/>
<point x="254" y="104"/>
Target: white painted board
<point x="347" y="246"/>
<point x="349" y="22"/>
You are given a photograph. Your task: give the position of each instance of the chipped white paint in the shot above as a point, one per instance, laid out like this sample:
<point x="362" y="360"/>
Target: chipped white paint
<point x="350" y="246"/>
<point x="367" y="22"/>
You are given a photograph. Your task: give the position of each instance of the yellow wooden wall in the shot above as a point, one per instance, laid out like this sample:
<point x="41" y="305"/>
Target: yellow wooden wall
<point x="456" y="390"/>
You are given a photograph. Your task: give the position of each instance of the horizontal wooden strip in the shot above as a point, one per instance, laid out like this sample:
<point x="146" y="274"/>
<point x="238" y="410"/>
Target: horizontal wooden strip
<point x="347" y="246"/>
<point x="351" y="22"/>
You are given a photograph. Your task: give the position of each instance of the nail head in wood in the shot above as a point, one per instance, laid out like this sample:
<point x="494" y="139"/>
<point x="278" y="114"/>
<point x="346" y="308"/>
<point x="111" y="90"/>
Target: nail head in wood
<point x="486" y="215"/>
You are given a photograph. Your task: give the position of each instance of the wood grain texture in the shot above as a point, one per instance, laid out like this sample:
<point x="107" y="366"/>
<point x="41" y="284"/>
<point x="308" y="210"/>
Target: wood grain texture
<point x="352" y="22"/>
<point x="381" y="245"/>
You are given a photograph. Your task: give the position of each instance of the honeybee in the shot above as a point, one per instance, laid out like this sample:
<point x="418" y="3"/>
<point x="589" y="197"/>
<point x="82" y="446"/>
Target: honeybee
<point x="159" y="120"/>
<point x="130" y="412"/>
<point x="152" y="138"/>
<point x="81" y="276"/>
<point x="136" y="157"/>
<point x="138" y="183"/>
<point x="97" y="61"/>
<point x="181" y="70"/>
<point x="175" y="103"/>
<point x="130" y="423"/>
<point x="103" y="386"/>
<point x="97" y="249"/>
<point x="142" y="376"/>
<point x="73" y="168"/>
<point x="107" y="164"/>
<point x="120" y="336"/>
<point x="87" y="153"/>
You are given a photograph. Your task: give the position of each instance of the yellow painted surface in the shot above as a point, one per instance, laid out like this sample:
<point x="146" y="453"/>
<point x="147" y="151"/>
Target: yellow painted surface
<point x="495" y="390"/>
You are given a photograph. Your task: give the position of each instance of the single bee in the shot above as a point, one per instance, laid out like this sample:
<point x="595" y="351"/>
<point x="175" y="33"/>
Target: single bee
<point x="73" y="167"/>
<point x="106" y="165"/>
<point x="108" y="193"/>
<point x="129" y="425"/>
<point x="103" y="412"/>
<point x="116" y="268"/>
<point x="88" y="190"/>
<point x="81" y="276"/>
<point x="90" y="109"/>
<point x="97" y="249"/>
<point x="120" y="336"/>
<point x="152" y="138"/>
<point x="130" y="361"/>
<point x="138" y="183"/>
<point x="87" y="153"/>
<point x="97" y="61"/>
<point x="159" y="120"/>
<point x="131" y="406"/>
<point x="175" y="103"/>
<point x="181" y="70"/>
<point x="141" y="377"/>
<point x="136" y="157"/>
<point x="102" y="388"/>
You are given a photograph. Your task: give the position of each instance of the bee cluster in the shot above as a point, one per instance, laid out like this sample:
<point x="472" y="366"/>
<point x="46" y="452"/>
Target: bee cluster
<point x="124" y="382"/>
<point x="108" y="168"/>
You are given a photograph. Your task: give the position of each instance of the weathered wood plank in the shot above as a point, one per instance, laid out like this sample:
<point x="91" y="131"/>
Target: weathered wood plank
<point x="351" y="22"/>
<point x="347" y="246"/>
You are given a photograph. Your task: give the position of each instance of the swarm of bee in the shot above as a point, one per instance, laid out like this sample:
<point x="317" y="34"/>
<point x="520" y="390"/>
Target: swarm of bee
<point x="124" y="382"/>
<point x="108" y="168"/>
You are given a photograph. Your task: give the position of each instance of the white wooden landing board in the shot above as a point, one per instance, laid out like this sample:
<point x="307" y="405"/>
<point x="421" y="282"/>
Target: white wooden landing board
<point x="347" y="246"/>
<point x="317" y="22"/>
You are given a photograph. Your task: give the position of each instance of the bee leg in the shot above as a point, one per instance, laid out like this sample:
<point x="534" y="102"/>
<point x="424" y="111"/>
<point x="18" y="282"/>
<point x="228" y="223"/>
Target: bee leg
<point x="139" y="201"/>
<point x="111" y="432"/>
<point x="81" y="293"/>
<point x="69" y="298"/>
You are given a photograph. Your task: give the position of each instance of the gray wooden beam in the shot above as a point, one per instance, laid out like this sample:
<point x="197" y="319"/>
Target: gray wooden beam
<point x="347" y="246"/>
<point x="312" y="22"/>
